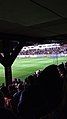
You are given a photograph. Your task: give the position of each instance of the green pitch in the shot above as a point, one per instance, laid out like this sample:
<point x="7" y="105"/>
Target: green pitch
<point x="23" y="67"/>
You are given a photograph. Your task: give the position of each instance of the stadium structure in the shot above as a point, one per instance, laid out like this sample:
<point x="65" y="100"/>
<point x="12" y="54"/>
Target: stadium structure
<point x="41" y="50"/>
<point x="28" y="22"/>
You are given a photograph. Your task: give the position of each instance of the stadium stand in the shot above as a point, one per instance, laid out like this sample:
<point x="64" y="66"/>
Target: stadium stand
<point x="42" y="95"/>
<point x="43" y="50"/>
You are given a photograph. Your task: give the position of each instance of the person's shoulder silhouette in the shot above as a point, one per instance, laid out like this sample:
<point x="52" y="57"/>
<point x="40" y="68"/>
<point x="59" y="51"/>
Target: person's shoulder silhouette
<point x="7" y="114"/>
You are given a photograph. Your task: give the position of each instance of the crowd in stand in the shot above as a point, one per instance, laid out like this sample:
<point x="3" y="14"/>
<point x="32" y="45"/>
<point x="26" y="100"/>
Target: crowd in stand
<point x="42" y="95"/>
<point x="58" y="50"/>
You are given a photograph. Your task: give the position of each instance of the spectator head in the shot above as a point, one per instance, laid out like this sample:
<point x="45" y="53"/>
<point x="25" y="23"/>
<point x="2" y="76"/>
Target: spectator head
<point x="19" y="81"/>
<point x="50" y="81"/>
<point x="20" y="87"/>
<point x="3" y="84"/>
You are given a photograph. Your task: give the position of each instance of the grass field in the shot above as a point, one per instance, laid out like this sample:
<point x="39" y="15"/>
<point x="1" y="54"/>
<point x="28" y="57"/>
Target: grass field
<point x="22" y="67"/>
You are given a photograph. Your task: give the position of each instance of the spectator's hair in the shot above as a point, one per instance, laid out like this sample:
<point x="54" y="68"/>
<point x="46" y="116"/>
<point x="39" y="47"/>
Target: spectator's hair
<point x="51" y="81"/>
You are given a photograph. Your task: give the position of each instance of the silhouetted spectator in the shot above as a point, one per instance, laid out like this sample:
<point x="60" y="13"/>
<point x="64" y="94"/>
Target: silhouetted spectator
<point x="7" y="114"/>
<point x="4" y="89"/>
<point x="19" y="81"/>
<point x="2" y="102"/>
<point x="16" y="97"/>
<point x="43" y="96"/>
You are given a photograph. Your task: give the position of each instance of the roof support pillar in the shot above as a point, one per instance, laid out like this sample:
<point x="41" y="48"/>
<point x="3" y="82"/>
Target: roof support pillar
<point x="7" y="65"/>
<point x="8" y="59"/>
<point x="8" y="75"/>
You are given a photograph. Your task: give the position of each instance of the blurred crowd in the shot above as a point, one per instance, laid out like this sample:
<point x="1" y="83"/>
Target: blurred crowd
<point x="42" y="95"/>
<point x="58" y="50"/>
